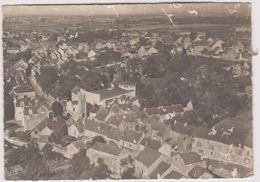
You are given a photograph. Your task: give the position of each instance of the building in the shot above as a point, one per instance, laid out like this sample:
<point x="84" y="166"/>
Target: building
<point x="111" y="155"/>
<point x="184" y="162"/>
<point x="147" y="160"/>
<point x="75" y="128"/>
<point x="226" y="142"/>
<point x="30" y="112"/>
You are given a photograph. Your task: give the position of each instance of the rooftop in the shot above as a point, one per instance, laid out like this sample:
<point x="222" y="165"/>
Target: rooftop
<point x="106" y="93"/>
<point x="160" y="169"/>
<point x="148" y="156"/>
<point x="190" y="157"/>
<point x="106" y="148"/>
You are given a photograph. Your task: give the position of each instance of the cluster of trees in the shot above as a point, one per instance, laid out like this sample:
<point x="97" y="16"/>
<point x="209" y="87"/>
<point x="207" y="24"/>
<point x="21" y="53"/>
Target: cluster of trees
<point x="8" y="103"/>
<point x="25" y="55"/>
<point x="212" y="90"/>
<point x="61" y="85"/>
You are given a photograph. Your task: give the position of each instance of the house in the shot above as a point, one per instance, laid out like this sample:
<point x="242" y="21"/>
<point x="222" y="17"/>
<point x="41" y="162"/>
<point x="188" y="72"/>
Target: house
<point x="40" y="130"/>
<point x="174" y="175"/>
<point x="92" y="55"/>
<point x="24" y="87"/>
<point x="165" y="112"/>
<point x="30" y="112"/>
<point x="199" y="172"/>
<point x="228" y="170"/>
<point x="162" y="170"/>
<point x="13" y="49"/>
<point x="157" y="129"/>
<point x="147" y="160"/>
<point x="123" y="137"/>
<point x="152" y="50"/>
<point x="184" y="162"/>
<point x="142" y="52"/>
<point x="75" y="146"/>
<point x="181" y="133"/>
<point x="227" y="142"/>
<point x="75" y="128"/>
<point x="102" y="114"/>
<point x="100" y="97"/>
<point x="110" y="154"/>
<point x="151" y="143"/>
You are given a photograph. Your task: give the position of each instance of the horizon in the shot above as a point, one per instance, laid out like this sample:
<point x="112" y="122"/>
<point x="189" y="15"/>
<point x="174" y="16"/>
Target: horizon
<point x="117" y="10"/>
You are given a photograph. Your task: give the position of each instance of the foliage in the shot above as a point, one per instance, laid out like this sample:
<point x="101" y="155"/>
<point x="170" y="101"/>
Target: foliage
<point x="79" y="163"/>
<point x="47" y="78"/>
<point x="101" y="171"/>
<point x="57" y="108"/>
<point x="128" y="174"/>
<point x="35" y="169"/>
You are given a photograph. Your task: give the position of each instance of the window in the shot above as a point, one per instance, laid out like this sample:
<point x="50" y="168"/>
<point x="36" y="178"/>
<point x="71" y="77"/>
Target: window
<point x="211" y="147"/>
<point x="74" y="109"/>
<point x="199" y="144"/>
<point x="200" y="151"/>
<point x="248" y="153"/>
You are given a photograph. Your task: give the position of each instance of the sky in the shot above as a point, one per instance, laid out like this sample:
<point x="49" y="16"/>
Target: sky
<point x="192" y="9"/>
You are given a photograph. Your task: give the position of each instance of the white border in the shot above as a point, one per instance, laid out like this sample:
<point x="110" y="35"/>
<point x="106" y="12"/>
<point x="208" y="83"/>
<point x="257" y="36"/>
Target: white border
<point x="256" y="76"/>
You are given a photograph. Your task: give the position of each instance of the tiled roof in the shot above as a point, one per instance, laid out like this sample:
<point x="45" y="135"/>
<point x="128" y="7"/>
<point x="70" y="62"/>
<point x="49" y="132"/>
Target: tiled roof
<point x="190" y="157"/>
<point x="164" y="110"/>
<point x="197" y="172"/>
<point x="174" y="175"/>
<point x="106" y="94"/>
<point x="182" y="128"/>
<point x="160" y="169"/>
<point x="148" y="156"/>
<point x="226" y="133"/>
<point x="102" y="113"/>
<point x="106" y="148"/>
<point x="153" y="144"/>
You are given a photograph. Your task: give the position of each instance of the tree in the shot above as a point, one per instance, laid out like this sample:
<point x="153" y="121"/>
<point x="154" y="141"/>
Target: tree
<point x="79" y="163"/>
<point x="128" y="174"/>
<point x="99" y="139"/>
<point x="47" y="78"/>
<point x="57" y="108"/>
<point x="35" y="169"/>
<point x="101" y="171"/>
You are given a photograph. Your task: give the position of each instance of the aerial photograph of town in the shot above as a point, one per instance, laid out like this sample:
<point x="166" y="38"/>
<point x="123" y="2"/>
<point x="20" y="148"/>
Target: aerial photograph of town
<point x="127" y="91"/>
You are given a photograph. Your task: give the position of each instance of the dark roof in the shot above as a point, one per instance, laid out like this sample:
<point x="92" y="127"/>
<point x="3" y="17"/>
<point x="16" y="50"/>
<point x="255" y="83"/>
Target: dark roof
<point x="197" y="172"/>
<point x="75" y="90"/>
<point x="174" y="175"/>
<point x="226" y="133"/>
<point x="182" y="128"/>
<point x="56" y="123"/>
<point x="78" y="124"/>
<point x="160" y="169"/>
<point x="243" y="171"/>
<point x="164" y="110"/>
<point x="191" y="157"/>
<point x="106" y="94"/>
<point x="94" y="109"/>
<point x="148" y="156"/>
<point x="23" y="89"/>
<point x="131" y="136"/>
<point x="102" y="113"/>
<point x="79" y="144"/>
<point x="106" y="148"/>
<point x="42" y="125"/>
<point x="153" y="144"/>
<point x="91" y="125"/>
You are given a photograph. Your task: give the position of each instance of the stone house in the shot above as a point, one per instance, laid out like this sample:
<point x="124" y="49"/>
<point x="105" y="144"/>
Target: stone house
<point x="147" y="160"/>
<point x="110" y="154"/>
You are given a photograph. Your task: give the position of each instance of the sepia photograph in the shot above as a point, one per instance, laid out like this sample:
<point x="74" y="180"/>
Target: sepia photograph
<point x="127" y="91"/>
